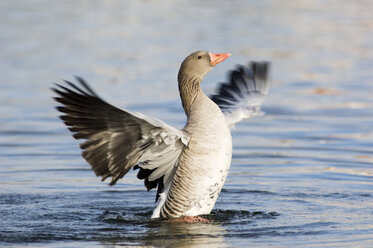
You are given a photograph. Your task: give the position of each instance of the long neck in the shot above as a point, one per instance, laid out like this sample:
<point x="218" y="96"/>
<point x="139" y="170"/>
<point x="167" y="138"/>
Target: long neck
<point x="189" y="88"/>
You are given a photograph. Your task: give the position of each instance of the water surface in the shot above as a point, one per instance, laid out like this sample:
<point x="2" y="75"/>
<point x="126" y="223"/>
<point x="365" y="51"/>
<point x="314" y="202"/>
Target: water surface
<point x="301" y="175"/>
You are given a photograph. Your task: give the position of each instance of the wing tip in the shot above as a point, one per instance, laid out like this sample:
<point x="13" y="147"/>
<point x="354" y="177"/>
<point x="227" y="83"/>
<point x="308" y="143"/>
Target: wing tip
<point x="244" y="92"/>
<point x="70" y="87"/>
<point x="260" y="69"/>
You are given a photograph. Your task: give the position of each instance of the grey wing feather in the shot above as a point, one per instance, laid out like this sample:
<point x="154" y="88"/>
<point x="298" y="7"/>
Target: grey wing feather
<point x="117" y="140"/>
<point x="242" y="96"/>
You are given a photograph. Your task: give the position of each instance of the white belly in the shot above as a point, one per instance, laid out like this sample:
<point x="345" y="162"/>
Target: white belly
<point x="200" y="176"/>
<point x="203" y="164"/>
<point x="215" y="169"/>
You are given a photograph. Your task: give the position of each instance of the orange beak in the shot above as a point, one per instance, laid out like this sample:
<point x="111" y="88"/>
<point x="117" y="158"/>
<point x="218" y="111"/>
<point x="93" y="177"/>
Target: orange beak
<point x="216" y="58"/>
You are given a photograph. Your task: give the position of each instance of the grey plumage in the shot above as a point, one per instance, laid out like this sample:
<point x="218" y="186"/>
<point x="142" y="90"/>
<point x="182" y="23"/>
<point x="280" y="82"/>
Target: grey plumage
<point x="245" y="91"/>
<point x="116" y="140"/>
<point x="189" y="166"/>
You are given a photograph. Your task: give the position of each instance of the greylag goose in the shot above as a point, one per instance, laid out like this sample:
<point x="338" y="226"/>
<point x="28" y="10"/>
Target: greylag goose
<point x="188" y="167"/>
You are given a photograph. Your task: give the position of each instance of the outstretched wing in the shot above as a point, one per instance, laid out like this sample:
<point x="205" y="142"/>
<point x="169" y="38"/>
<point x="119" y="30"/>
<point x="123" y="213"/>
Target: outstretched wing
<point x="242" y="96"/>
<point x="117" y="140"/>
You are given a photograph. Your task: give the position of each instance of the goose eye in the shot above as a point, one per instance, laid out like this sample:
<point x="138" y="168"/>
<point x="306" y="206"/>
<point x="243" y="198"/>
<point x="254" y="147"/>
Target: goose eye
<point x="199" y="57"/>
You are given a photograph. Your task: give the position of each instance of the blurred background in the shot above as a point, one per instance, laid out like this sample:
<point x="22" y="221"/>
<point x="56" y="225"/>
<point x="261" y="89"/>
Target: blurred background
<point x="301" y="175"/>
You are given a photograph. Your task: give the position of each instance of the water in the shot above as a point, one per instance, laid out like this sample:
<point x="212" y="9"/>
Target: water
<point x="302" y="175"/>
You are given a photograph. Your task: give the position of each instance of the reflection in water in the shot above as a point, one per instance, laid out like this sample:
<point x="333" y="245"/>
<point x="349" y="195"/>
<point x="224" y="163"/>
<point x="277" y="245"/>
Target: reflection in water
<point x="187" y="235"/>
<point x="163" y="234"/>
<point x="122" y="228"/>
